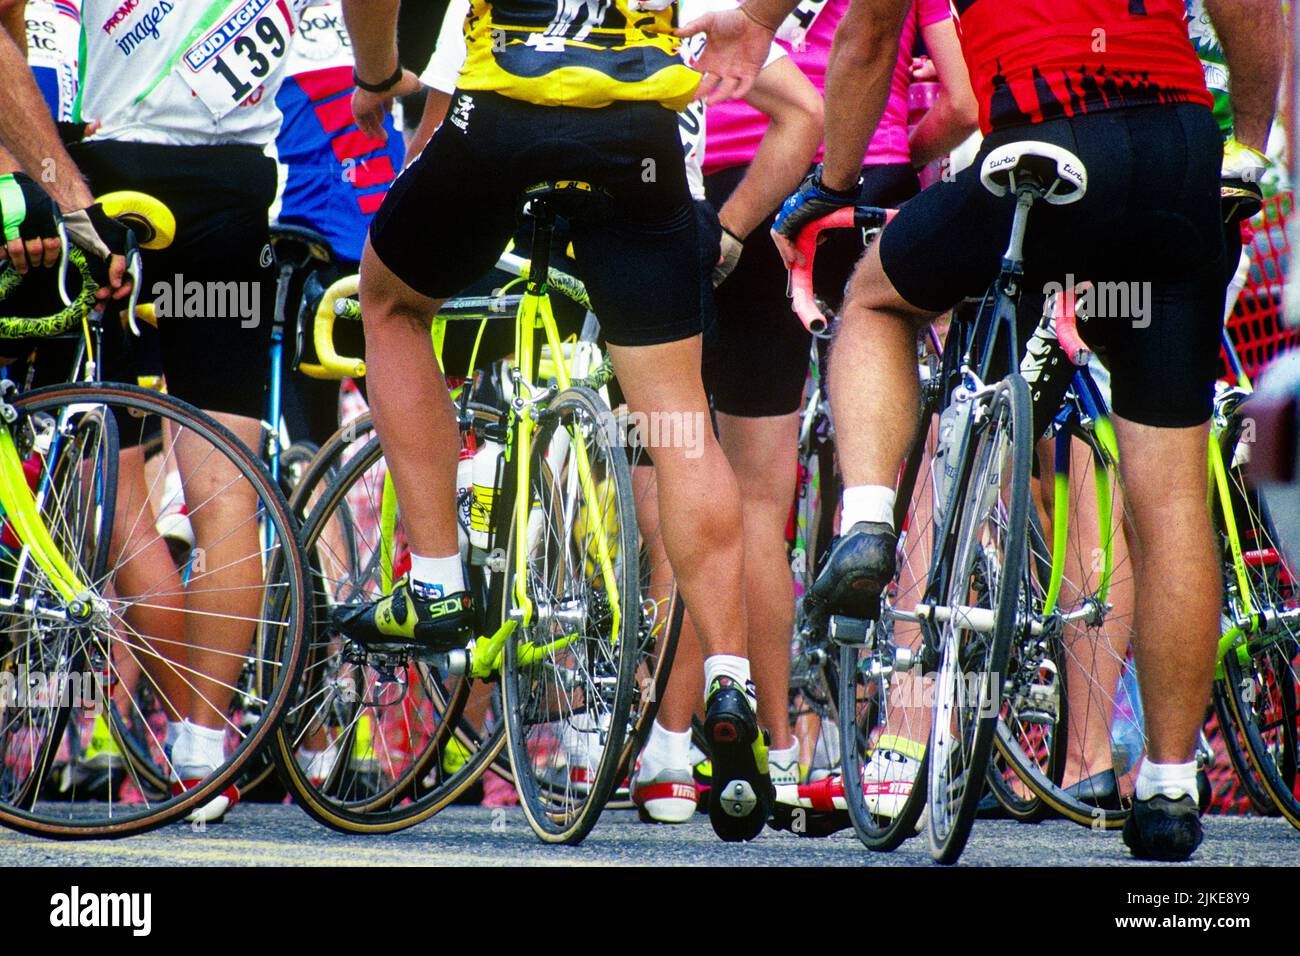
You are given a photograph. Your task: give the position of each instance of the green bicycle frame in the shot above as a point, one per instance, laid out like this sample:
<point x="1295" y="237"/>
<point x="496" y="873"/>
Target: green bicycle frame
<point x="1104" y="460"/>
<point x="534" y="312"/>
<point x="20" y="510"/>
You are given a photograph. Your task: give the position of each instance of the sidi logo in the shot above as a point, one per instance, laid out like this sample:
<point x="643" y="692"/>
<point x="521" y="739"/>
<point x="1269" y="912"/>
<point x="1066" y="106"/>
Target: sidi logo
<point x="102" y="910"/>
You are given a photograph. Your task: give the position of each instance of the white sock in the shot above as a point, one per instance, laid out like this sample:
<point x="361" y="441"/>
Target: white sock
<point x="198" y="750"/>
<point x="737" y="668"/>
<point x="173" y="731"/>
<point x="437" y="577"/>
<point x="867" y="503"/>
<point x="784" y="757"/>
<point x="664" y="750"/>
<point x="1173" y="780"/>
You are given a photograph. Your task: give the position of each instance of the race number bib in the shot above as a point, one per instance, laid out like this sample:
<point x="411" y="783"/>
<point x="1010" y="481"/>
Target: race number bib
<point x="237" y="55"/>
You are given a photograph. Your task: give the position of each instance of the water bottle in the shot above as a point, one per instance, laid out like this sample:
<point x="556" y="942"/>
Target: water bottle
<point x="1038" y="350"/>
<point x="952" y="425"/>
<point x="484" y="475"/>
<point x="464" y="499"/>
<point x="1127" y="726"/>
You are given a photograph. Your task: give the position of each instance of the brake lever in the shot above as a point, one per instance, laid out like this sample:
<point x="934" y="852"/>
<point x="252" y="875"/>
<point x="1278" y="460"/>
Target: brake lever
<point x="63" y="263"/>
<point x="134" y="270"/>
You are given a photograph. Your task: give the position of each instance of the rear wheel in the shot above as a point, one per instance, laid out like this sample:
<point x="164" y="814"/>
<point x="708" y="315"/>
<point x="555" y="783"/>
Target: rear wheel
<point x="367" y="748"/>
<point x="1261" y="672"/>
<point x="1071" y="710"/>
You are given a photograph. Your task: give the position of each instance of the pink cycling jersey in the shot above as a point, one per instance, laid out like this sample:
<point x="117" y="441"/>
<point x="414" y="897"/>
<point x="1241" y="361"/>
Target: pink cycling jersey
<point x="735" y="128"/>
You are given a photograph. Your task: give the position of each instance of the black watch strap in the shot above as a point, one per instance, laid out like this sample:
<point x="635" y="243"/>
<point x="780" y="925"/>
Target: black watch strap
<point x="383" y="87"/>
<point x="851" y="193"/>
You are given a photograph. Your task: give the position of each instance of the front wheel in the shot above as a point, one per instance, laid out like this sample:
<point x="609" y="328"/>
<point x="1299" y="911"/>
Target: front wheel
<point x="978" y="583"/>
<point x="218" y="639"/>
<point x="567" y="686"/>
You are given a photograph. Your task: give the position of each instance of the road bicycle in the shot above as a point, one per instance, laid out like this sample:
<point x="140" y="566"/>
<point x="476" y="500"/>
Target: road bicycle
<point x="937" y="660"/>
<point x="86" y="610"/>
<point x="844" y="689"/>
<point x="567" y="709"/>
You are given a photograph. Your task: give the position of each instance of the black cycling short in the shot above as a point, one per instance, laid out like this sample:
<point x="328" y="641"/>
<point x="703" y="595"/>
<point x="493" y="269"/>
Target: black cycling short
<point x="1150" y="224"/>
<point x="215" y="342"/>
<point x="757" y="365"/>
<point x="449" y="215"/>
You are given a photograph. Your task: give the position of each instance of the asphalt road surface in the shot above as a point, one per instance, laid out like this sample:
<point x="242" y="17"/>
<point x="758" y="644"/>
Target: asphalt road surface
<point x="471" y="836"/>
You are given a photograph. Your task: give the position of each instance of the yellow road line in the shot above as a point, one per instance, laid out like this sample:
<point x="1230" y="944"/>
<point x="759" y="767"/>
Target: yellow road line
<point x="265" y="853"/>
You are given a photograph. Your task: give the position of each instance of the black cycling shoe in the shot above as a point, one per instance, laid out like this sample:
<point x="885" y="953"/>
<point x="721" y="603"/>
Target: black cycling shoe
<point x="1163" y="829"/>
<point x="740" y="800"/>
<point x="405" y="620"/>
<point x="1101" y="790"/>
<point x="859" y="567"/>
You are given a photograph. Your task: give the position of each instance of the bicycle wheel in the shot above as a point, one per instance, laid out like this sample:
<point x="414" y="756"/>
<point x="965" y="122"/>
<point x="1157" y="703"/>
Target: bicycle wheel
<point x="814" y="682"/>
<point x="1030" y="745"/>
<point x="1234" y="744"/>
<point x="1261" y="670"/>
<point x="882" y="692"/>
<point x="569" y="667"/>
<point x="328" y="461"/>
<point x="295" y="462"/>
<point x="978" y="578"/>
<point x="187" y="634"/>
<point x="361" y="747"/>
<point x="76" y="504"/>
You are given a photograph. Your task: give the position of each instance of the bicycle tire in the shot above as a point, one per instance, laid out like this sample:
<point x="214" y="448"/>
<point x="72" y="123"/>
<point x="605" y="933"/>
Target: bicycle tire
<point x="403" y="799"/>
<point x="958" y="761"/>
<point x="276" y="629"/>
<point x="564" y="810"/>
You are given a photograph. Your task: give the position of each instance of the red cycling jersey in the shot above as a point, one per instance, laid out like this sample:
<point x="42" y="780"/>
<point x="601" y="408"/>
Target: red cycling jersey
<point x="1036" y="60"/>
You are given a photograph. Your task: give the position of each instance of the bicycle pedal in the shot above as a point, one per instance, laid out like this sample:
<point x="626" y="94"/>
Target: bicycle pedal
<point x="852" y="631"/>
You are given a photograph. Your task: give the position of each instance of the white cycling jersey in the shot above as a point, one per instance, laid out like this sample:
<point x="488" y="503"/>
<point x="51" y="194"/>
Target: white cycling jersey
<point x="185" y="72"/>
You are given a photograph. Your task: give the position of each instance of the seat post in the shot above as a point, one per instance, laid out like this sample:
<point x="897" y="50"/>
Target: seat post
<point x="543" y="235"/>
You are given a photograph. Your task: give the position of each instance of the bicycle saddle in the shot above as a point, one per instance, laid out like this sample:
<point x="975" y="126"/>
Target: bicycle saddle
<point x="570" y="198"/>
<point x="1057" y="173"/>
<point x="298" y="246"/>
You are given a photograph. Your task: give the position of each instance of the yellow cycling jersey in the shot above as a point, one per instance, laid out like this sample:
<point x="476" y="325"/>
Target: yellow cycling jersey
<point x="586" y="53"/>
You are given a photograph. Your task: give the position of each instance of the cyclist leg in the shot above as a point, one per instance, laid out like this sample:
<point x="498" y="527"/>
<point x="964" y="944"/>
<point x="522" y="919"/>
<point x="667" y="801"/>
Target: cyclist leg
<point x="402" y="287"/>
<point x="642" y="270"/>
<point x="410" y="404"/>
<point x="1163" y="381"/>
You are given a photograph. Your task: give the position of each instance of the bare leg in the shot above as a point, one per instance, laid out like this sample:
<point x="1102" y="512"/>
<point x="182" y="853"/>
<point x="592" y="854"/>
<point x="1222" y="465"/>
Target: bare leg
<point x="225" y="594"/>
<point x="685" y="688"/>
<point x="763" y="453"/>
<point x="1177" y="581"/>
<point x="1095" y="658"/>
<point x="144" y="571"/>
<point x="874" y="387"/>
<point x="699" y="501"/>
<point x="412" y="410"/>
